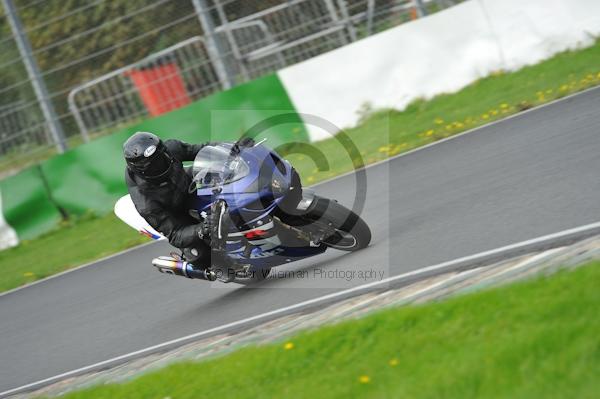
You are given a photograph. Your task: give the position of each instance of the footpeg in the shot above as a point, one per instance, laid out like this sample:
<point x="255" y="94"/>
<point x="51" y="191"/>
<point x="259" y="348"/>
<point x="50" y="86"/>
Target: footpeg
<point x="316" y="238"/>
<point x="228" y="274"/>
<point x="210" y="275"/>
<point x="224" y="275"/>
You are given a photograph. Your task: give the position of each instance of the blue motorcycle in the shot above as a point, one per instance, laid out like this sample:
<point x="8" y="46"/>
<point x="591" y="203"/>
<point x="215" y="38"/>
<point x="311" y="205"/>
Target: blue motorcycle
<point x="262" y="218"/>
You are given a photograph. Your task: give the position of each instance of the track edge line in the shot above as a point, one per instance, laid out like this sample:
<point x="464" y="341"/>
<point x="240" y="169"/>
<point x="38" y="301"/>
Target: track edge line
<point x="440" y="267"/>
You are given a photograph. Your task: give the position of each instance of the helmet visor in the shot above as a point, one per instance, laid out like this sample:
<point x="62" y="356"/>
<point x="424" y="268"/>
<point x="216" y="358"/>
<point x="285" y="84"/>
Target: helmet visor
<point x="153" y="167"/>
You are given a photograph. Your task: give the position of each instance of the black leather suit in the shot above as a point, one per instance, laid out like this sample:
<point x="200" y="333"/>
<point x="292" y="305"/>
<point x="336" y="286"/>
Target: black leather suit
<point x="165" y="205"/>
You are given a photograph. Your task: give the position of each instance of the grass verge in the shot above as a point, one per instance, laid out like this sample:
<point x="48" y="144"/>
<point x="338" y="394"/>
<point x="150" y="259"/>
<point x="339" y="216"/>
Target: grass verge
<point x="71" y="245"/>
<point x="380" y="135"/>
<point x="385" y="133"/>
<point x="533" y="339"/>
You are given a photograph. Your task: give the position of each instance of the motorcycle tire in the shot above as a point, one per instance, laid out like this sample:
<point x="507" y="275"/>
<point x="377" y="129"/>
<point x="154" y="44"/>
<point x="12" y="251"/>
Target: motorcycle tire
<point x="351" y="231"/>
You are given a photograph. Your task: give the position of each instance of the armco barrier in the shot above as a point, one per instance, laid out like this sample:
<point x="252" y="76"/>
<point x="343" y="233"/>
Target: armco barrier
<point x="247" y="104"/>
<point x="26" y="204"/>
<point x="91" y="177"/>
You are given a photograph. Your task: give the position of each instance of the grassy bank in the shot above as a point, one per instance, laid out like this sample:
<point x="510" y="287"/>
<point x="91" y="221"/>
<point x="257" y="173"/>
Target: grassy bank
<point x="73" y="244"/>
<point x="535" y="339"/>
<point x="385" y="133"/>
<point x="380" y="134"/>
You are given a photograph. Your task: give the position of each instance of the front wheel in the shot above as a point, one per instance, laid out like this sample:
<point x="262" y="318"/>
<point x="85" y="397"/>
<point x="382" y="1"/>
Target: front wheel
<point x="341" y="228"/>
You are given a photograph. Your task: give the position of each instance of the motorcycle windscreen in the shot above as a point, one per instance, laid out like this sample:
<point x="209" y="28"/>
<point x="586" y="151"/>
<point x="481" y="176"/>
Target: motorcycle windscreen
<point x="125" y="210"/>
<point x="214" y="165"/>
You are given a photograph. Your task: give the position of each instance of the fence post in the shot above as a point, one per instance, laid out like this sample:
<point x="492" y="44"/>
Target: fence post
<point x="420" y="6"/>
<point x="370" y="15"/>
<point x="231" y="39"/>
<point x="346" y="15"/>
<point x="77" y="115"/>
<point x="335" y="19"/>
<point x="39" y="87"/>
<point x="213" y="45"/>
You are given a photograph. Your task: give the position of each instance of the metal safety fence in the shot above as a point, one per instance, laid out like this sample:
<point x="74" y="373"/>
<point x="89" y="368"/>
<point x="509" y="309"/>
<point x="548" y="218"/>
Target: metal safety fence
<point x="157" y="84"/>
<point x="74" y="70"/>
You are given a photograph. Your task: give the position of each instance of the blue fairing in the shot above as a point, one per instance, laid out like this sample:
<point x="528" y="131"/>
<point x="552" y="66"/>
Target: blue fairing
<point x="277" y="256"/>
<point x="252" y="193"/>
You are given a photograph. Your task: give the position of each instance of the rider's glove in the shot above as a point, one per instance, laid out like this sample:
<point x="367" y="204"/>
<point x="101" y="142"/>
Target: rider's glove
<point x="203" y="230"/>
<point x="244" y="142"/>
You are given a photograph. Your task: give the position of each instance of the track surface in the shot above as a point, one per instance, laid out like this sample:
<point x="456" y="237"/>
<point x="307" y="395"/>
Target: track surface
<point x="531" y="175"/>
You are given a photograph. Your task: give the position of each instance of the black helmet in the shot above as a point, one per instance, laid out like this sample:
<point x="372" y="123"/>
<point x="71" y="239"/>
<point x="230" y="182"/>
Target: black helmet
<point x="147" y="156"/>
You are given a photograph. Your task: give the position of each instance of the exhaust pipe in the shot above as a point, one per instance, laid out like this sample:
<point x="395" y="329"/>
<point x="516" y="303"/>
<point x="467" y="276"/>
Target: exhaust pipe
<point x="168" y="265"/>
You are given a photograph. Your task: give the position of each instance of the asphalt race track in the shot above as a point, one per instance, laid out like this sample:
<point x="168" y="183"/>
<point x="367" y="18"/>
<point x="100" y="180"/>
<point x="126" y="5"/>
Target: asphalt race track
<point x="531" y="175"/>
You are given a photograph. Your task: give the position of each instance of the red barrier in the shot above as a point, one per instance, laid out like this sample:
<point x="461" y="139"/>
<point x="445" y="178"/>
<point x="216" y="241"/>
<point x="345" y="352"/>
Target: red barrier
<point x="161" y="88"/>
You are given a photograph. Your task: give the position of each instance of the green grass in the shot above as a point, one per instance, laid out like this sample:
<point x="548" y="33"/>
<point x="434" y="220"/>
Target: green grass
<point x="533" y="339"/>
<point x="72" y="244"/>
<point x="381" y="134"/>
<point x="385" y="133"/>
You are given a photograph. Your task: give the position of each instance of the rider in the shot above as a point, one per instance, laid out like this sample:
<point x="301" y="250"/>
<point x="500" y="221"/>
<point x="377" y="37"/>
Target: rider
<point x="159" y="188"/>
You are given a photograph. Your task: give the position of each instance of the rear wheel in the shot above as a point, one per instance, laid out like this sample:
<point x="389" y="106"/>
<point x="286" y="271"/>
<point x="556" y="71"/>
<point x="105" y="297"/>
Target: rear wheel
<point x="341" y="228"/>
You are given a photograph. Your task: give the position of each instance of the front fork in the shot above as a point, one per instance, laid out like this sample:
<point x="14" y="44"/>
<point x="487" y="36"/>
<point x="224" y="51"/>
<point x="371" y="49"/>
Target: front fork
<point x="219" y="223"/>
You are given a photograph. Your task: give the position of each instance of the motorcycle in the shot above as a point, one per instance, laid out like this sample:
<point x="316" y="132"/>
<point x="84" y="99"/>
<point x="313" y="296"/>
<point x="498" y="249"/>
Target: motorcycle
<point x="261" y="217"/>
